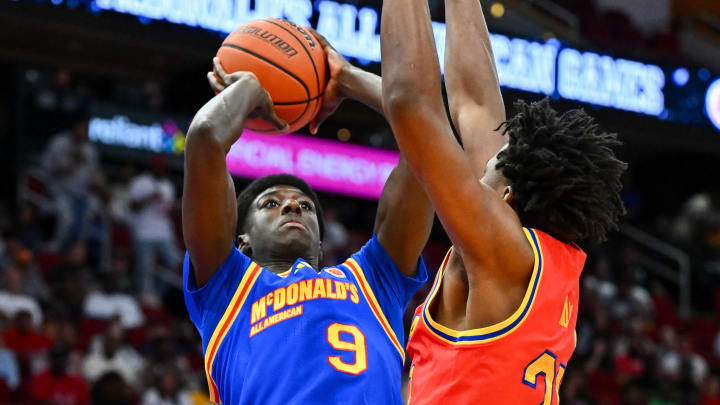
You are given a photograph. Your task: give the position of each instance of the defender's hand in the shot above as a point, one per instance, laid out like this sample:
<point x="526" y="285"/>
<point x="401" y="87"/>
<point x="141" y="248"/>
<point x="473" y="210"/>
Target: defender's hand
<point x="261" y="105"/>
<point x="333" y="95"/>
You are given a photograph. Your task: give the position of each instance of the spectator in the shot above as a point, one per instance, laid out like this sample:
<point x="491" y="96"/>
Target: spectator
<point x="120" y="195"/>
<point x="30" y="233"/>
<point x="32" y="283"/>
<point x="574" y="390"/>
<point x="599" y="280"/>
<point x="55" y="386"/>
<point x="109" y="303"/>
<point x="152" y="197"/>
<point x="336" y="238"/>
<point x="68" y="282"/>
<point x="710" y="391"/>
<point x="110" y="353"/>
<point x="699" y="220"/>
<point x="12" y="300"/>
<point x="678" y="363"/>
<point x="167" y="390"/>
<point x="694" y="366"/>
<point x="164" y="354"/>
<point x="111" y="389"/>
<point x="668" y="356"/>
<point x="71" y="161"/>
<point x="600" y="353"/>
<point x="22" y="337"/>
<point x="9" y="371"/>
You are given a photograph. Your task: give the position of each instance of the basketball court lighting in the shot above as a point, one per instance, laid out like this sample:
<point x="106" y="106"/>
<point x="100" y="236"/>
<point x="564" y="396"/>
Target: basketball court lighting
<point x="344" y="134"/>
<point x="497" y="10"/>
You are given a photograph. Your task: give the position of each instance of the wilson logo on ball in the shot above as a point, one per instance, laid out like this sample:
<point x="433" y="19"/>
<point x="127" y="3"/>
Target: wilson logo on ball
<point x="288" y="64"/>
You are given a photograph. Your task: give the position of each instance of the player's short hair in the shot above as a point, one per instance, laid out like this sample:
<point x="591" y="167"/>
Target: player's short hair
<point x="563" y="172"/>
<point x="257" y="186"/>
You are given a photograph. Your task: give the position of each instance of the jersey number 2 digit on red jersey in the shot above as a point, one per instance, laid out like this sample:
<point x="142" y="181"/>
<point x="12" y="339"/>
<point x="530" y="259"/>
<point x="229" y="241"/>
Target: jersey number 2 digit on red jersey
<point x="545" y="365"/>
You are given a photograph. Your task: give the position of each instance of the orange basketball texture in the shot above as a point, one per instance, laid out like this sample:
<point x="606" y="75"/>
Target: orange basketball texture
<point x="289" y="62"/>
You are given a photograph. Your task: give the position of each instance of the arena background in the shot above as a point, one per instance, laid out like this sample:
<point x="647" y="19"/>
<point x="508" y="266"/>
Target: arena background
<point x="90" y="313"/>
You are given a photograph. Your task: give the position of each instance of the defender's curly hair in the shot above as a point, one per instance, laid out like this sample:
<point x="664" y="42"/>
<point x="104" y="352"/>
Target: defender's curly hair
<point x="563" y="172"/>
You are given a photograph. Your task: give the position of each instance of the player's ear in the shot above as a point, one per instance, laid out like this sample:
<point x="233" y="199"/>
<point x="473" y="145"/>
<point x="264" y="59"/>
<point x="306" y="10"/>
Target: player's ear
<point x="508" y="194"/>
<point x="243" y="244"/>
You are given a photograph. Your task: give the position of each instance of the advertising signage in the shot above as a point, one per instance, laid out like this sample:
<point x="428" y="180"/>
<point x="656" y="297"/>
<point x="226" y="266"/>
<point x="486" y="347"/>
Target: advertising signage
<point x="551" y="68"/>
<point x="332" y="166"/>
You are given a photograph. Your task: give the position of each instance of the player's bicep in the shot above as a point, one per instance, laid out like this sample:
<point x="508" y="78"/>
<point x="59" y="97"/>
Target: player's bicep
<point x="208" y="207"/>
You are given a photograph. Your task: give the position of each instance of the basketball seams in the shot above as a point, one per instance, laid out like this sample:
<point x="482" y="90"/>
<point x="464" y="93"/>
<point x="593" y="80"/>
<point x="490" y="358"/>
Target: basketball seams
<point x="297" y="102"/>
<point x="307" y="51"/>
<point x="265" y="59"/>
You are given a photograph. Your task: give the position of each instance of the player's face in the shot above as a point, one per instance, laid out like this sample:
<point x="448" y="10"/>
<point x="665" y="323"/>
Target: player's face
<point x="283" y="220"/>
<point x="493" y="177"/>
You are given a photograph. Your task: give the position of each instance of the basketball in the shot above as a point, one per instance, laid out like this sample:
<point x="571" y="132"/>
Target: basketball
<point x="289" y="62"/>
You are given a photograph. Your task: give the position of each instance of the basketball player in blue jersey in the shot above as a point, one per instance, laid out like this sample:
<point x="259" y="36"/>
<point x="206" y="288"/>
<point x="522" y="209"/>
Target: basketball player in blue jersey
<point x="277" y="329"/>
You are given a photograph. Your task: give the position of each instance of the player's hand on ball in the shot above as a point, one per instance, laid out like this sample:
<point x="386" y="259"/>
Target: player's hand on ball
<point x="333" y="95"/>
<point x="261" y="103"/>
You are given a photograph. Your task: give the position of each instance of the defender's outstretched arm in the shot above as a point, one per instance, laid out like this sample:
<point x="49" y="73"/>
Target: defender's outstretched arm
<point x="413" y="104"/>
<point x="405" y="215"/>
<point x="475" y="101"/>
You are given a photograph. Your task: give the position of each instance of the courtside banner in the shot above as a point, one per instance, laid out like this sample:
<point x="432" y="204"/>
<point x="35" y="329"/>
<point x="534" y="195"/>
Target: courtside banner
<point x="326" y="165"/>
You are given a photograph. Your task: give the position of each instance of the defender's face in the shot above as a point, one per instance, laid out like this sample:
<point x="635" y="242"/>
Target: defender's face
<point x="493" y="177"/>
<point x="283" y="216"/>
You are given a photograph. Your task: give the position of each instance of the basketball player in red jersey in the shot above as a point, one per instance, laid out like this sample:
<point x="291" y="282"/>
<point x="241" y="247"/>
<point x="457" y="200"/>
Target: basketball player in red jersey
<point x="498" y="325"/>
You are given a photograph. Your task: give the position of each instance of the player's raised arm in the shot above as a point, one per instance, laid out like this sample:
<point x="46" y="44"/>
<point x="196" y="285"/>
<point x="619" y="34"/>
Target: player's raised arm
<point x="474" y="98"/>
<point x="209" y="212"/>
<point x="404" y="217"/>
<point x="472" y="213"/>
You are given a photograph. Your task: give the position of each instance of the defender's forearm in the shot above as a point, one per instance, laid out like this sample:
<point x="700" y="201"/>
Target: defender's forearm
<point x="470" y="73"/>
<point x="364" y="87"/>
<point x="410" y="69"/>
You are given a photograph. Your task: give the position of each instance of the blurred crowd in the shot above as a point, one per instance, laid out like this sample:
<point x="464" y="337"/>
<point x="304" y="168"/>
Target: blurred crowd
<point x="91" y="307"/>
<point x="91" y="310"/>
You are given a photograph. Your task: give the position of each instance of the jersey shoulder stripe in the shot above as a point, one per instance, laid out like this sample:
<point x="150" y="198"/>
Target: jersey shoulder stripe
<point x="499" y="330"/>
<point x="228" y="318"/>
<point x="367" y="292"/>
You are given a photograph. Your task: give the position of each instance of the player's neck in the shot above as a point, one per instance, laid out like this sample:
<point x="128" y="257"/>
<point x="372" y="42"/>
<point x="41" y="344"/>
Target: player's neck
<point x="281" y="265"/>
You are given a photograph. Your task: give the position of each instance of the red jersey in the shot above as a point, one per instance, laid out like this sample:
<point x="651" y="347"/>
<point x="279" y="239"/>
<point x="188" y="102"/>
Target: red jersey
<point x="521" y="360"/>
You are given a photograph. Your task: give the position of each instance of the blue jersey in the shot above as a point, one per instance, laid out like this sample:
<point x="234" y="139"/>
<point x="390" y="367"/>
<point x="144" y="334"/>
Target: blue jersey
<point x="304" y="337"/>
